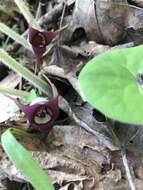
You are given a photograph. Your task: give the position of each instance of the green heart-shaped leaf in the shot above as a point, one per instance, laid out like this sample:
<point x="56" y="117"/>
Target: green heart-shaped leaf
<point x="113" y="83"/>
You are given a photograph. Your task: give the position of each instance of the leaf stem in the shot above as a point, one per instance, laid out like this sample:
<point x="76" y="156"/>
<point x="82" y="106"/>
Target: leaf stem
<point x="23" y="6"/>
<point x="113" y="135"/>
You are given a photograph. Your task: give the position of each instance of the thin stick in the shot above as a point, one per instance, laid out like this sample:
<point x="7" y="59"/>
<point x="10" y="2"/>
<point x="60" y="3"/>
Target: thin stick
<point x="38" y="13"/>
<point x="62" y="16"/>
<point x="128" y="173"/>
<point x="61" y="22"/>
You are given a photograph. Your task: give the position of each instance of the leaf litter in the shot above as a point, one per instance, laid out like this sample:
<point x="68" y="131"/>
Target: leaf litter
<point x="80" y="152"/>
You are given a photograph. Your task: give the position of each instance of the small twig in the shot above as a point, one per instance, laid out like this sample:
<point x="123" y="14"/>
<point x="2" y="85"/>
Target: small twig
<point x="38" y="12"/>
<point x="52" y="15"/>
<point x="62" y="17"/>
<point x="20" y="84"/>
<point x="126" y="45"/>
<point x="61" y="22"/>
<point x="128" y="173"/>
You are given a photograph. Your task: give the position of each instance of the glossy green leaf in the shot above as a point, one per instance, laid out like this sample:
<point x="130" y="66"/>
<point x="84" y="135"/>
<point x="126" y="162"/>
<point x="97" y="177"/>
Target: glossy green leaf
<point x="23" y="160"/>
<point x="113" y="83"/>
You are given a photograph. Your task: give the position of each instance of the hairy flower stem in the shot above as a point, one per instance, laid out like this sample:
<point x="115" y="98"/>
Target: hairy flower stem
<point x="23" y="6"/>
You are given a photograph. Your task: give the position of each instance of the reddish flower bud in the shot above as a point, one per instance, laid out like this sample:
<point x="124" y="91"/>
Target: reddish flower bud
<point x="41" y="115"/>
<point x="39" y="40"/>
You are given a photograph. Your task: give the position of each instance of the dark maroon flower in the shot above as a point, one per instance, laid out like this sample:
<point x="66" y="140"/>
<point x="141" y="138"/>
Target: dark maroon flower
<point x="39" y="40"/>
<point x="41" y="114"/>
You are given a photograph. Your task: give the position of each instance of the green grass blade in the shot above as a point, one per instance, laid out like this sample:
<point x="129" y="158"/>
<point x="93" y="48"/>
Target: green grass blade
<point x="15" y="36"/>
<point x="23" y="6"/>
<point x="23" y="160"/>
<point x="28" y="75"/>
<point x="3" y="9"/>
<point x="13" y="92"/>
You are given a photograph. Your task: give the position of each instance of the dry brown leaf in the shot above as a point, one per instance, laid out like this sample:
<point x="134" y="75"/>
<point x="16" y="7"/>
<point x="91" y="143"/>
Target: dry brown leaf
<point x="105" y="21"/>
<point x="72" y="186"/>
<point x="138" y="3"/>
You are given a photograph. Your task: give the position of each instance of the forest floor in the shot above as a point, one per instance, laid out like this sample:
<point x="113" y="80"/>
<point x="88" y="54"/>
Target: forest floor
<point x="79" y="152"/>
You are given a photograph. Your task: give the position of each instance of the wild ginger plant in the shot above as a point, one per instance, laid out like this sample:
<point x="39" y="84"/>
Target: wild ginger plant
<point x="49" y="103"/>
<point x="113" y="83"/>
